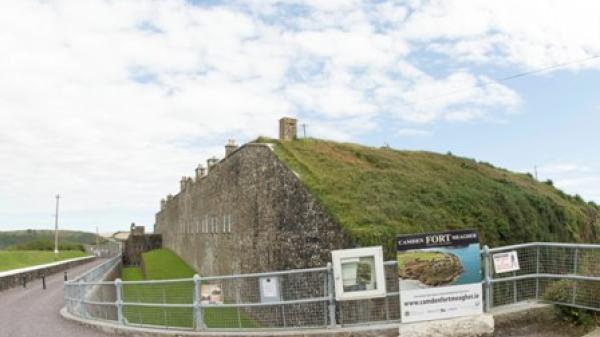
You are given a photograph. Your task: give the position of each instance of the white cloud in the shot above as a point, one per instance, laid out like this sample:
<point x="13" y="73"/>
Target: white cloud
<point x="109" y="102"/>
<point x="573" y="178"/>
<point x="532" y="34"/>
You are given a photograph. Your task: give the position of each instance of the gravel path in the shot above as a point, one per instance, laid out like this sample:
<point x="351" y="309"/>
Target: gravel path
<point x="34" y="312"/>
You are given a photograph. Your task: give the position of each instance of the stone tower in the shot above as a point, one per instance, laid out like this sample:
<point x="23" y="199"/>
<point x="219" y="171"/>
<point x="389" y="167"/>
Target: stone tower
<point x="287" y="128"/>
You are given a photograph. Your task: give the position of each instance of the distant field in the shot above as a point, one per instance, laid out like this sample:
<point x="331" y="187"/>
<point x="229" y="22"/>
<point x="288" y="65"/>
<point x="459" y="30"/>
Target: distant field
<point x="15" y="259"/>
<point x="10" y="239"/>
<point x="162" y="264"/>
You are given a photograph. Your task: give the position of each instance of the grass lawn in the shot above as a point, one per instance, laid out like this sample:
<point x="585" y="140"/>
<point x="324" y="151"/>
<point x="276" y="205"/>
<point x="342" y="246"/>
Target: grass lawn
<point x="15" y="259"/>
<point x="163" y="264"/>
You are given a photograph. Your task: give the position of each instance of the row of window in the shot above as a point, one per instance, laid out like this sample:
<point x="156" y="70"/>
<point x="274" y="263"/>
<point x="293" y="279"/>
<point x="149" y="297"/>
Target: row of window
<point x="208" y="225"/>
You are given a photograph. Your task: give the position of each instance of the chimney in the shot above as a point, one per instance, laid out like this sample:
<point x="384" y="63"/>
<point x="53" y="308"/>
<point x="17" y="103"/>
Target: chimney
<point x="210" y="163"/>
<point x="230" y="147"/>
<point x="200" y="172"/>
<point x="287" y="128"/>
<point x="182" y="183"/>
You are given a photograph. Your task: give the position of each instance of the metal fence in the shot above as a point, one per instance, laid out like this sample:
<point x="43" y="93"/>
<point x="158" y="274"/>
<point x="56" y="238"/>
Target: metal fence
<point x="557" y="273"/>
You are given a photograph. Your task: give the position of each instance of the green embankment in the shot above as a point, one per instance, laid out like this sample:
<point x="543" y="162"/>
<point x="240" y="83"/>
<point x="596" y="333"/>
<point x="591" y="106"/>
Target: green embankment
<point x="15" y="259"/>
<point x="377" y="193"/>
<point x="164" y="264"/>
<point x="9" y="239"/>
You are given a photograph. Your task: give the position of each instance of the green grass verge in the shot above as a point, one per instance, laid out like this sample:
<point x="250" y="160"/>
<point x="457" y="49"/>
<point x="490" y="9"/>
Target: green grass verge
<point x="15" y="259"/>
<point x="164" y="264"/>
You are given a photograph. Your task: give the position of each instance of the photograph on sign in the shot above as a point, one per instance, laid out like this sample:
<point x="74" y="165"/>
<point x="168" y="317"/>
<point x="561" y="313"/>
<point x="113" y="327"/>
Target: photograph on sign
<point x="269" y="289"/>
<point x="358" y="273"/>
<point x="439" y="275"/>
<point x="211" y="294"/>
<point x="506" y="262"/>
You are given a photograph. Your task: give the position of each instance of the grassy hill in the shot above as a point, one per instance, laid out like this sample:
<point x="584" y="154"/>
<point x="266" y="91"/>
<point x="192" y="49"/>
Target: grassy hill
<point x="10" y="239"/>
<point x="377" y="193"/>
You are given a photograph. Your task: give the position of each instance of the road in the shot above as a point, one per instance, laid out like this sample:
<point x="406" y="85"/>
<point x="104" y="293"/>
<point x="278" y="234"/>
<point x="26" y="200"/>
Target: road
<point x="34" y="312"/>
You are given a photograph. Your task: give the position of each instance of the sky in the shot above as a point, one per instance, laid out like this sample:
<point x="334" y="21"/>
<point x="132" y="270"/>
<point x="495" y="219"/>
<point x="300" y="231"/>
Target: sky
<point x="110" y="103"/>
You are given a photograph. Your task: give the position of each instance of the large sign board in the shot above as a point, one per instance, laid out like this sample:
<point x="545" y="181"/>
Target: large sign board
<point x="440" y="275"/>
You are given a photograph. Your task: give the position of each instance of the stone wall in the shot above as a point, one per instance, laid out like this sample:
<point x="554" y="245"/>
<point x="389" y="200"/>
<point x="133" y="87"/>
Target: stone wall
<point x="250" y="213"/>
<point x="137" y="244"/>
<point x="10" y="279"/>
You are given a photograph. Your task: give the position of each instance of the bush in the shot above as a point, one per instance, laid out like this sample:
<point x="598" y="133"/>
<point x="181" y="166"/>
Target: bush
<point x="562" y="291"/>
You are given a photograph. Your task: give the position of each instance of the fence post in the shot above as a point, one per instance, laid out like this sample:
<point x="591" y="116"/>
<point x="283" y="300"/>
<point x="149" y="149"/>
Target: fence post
<point x="575" y="258"/>
<point x="119" y="303"/>
<point x="81" y="290"/>
<point x="537" y="274"/>
<point x="487" y="280"/>
<point x="197" y="311"/>
<point x="332" y="321"/>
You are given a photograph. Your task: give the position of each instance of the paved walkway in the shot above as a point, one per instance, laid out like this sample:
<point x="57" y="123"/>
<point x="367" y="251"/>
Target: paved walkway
<point x="34" y="312"/>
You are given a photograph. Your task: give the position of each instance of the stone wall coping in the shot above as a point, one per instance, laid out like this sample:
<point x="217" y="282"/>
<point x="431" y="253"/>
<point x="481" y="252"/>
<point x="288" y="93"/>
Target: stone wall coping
<point x="42" y="266"/>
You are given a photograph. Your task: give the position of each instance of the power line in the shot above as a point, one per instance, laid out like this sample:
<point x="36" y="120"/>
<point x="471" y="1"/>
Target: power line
<point x="512" y="77"/>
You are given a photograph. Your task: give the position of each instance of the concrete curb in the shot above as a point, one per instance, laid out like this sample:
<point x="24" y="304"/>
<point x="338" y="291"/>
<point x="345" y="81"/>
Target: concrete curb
<point x="374" y="330"/>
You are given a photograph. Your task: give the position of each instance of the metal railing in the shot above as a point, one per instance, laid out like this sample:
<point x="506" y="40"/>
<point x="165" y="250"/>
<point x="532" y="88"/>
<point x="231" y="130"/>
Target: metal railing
<point x="558" y="273"/>
<point x="565" y="274"/>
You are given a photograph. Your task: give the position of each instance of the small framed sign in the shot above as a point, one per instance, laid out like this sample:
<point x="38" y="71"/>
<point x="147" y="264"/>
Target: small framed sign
<point x="505" y="262"/>
<point x="358" y="273"/>
<point x="269" y="289"/>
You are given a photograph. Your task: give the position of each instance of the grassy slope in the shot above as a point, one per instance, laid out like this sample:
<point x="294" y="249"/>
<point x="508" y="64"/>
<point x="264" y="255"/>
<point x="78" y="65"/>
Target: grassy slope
<point x="14" y="259"/>
<point x="377" y="193"/>
<point x="163" y="264"/>
<point x="13" y="238"/>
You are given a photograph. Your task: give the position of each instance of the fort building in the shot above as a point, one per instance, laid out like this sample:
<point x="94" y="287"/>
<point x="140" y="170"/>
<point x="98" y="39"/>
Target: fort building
<point x="278" y="204"/>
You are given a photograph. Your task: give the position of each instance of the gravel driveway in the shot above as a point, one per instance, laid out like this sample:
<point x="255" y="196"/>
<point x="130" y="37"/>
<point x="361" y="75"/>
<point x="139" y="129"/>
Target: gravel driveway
<point x="33" y="312"/>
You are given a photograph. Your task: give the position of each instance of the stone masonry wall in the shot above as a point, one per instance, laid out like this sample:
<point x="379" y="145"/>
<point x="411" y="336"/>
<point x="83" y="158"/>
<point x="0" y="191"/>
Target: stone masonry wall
<point x="249" y="214"/>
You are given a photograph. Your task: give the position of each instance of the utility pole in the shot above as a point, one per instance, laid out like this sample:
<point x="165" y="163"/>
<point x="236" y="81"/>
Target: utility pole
<point x="535" y="172"/>
<point x="56" y="225"/>
<point x="303" y="129"/>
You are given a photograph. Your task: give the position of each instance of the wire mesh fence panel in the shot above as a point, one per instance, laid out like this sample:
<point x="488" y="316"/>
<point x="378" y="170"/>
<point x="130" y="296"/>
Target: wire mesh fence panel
<point x="557" y="273"/>
<point x="375" y="309"/>
<point x="265" y="300"/>
<point x="588" y="262"/>
<point x="557" y="260"/>
<point x="140" y="301"/>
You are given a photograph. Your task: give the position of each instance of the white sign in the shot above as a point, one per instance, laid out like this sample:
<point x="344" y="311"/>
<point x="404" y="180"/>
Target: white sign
<point x="358" y="273"/>
<point x="441" y="302"/>
<point x="269" y="289"/>
<point x="505" y="262"/>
